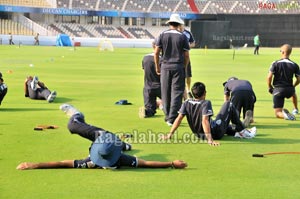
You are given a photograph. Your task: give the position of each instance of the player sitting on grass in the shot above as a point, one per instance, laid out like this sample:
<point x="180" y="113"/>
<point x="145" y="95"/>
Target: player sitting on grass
<point x="199" y="111"/>
<point x="106" y="150"/>
<point x="35" y="89"/>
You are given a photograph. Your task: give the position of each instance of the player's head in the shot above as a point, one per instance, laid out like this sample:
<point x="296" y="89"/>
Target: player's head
<point x="198" y="90"/>
<point x="175" y="20"/>
<point x="286" y="50"/>
<point x="106" y="149"/>
<point x="230" y="79"/>
<point x="181" y="28"/>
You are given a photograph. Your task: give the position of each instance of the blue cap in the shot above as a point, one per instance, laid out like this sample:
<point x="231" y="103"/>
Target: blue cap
<point x="123" y="102"/>
<point x="106" y="149"/>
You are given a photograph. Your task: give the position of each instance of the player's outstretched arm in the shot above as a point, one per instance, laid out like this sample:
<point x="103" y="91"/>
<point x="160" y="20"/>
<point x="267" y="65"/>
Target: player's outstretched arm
<point x="46" y="165"/>
<point x="174" y="127"/>
<point x="207" y="131"/>
<point x="177" y="164"/>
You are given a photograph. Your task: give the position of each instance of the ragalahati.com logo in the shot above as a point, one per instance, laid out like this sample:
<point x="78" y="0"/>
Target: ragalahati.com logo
<point x="278" y="5"/>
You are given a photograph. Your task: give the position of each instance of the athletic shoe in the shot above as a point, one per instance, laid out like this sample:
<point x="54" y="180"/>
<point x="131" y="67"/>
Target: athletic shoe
<point x="142" y="112"/>
<point x="68" y="109"/>
<point x="51" y="97"/>
<point x="295" y="112"/>
<point x="126" y="147"/>
<point x="287" y="115"/>
<point x="248" y="118"/>
<point x="246" y="133"/>
<point x="253" y="131"/>
<point x="34" y="83"/>
<point x="169" y="123"/>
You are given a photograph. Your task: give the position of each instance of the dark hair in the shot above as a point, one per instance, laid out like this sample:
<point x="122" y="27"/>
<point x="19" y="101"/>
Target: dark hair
<point x="198" y="89"/>
<point x="175" y="24"/>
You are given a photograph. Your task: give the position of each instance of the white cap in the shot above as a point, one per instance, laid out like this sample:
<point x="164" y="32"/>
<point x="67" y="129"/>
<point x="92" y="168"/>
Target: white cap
<point x="175" y="18"/>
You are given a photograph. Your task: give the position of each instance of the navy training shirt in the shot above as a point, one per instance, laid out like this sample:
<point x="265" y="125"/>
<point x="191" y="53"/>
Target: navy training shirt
<point x="237" y="85"/>
<point x="173" y="44"/>
<point x="189" y="36"/>
<point x="151" y="79"/>
<point x="283" y="71"/>
<point x="194" y="110"/>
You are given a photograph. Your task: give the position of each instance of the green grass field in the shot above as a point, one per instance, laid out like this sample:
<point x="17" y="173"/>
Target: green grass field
<point x="93" y="81"/>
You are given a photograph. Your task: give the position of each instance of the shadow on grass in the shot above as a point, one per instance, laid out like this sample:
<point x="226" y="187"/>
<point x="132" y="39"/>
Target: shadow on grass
<point x="24" y="109"/>
<point x="60" y="100"/>
<point x="153" y="117"/>
<point x="276" y="126"/>
<point x="263" y="138"/>
<point x="260" y="139"/>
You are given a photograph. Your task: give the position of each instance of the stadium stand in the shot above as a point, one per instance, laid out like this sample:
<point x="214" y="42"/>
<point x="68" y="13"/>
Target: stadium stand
<point x="108" y="31"/>
<point x="87" y="4"/>
<point x="185" y="6"/>
<point x="164" y="6"/>
<point x="110" y="5"/>
<point x="140" y="33"/>
<point x="63" y="4"/>
<point x="84" y="28"/>
<point x="139" y="6"/>
<point x="28" y="3"/>
<point x="9" y="26"/>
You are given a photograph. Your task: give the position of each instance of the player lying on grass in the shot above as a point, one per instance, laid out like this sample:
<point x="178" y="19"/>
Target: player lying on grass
<point x="199" y="111"/>
<point x="35" y="89"/>
<point x="106" y="150"/>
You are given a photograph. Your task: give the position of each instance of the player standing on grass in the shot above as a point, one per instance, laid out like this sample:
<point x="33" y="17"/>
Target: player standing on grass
<point x="256" y="44"/>
<point x="175" y="56"/>
<point x="280" y="83"/>
<point x="106" y="150"/>
<point x="36" y="39"/>
<point x="10" y="39"/>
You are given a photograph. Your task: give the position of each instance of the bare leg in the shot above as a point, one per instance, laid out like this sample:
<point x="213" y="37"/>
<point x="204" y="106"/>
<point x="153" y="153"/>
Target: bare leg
<point x="295" y="101"/>
<point x="159" y="104"/>
<point x="46" y="165"/>
<point x="178" y="164"/>
<point x="187" y="87"/>
<point x="278" y="113"/>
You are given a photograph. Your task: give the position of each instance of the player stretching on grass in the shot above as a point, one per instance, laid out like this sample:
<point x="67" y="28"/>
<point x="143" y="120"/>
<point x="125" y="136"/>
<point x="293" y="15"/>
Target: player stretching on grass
<point x="35" y="89"/>
<point x="280" y="83"/>
<point x="105" y="151"/>
<point x="152" y="89"/>
<point x="199" y="111"/>
<point x="241" y="94"/>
